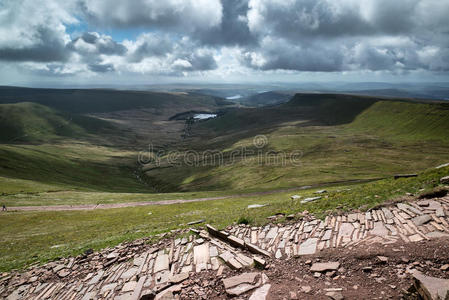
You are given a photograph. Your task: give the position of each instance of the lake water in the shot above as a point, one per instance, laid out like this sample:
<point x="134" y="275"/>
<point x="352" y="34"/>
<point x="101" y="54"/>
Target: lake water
<point x="234" y="97"/>
<point x="204" y="116"/>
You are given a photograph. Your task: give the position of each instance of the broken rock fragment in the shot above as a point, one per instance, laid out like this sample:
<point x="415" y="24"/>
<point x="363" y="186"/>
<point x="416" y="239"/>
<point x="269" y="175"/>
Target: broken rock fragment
<point x="242" y="283"/>
<point x="431" y="288"/>
<point x="323" y="267"/>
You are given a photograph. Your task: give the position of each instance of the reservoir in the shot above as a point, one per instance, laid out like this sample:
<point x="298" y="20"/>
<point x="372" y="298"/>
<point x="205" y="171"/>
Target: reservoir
<point x="204" y="116"/>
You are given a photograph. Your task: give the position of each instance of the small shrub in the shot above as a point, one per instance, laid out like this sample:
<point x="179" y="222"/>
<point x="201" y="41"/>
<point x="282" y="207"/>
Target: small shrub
<point x="244" y="220"/>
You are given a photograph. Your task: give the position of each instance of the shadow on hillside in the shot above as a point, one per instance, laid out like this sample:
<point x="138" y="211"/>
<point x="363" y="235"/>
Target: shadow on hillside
<point x="303" y="109"/>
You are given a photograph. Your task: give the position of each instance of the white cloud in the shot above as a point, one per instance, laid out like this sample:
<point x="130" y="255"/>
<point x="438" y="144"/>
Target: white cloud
<point x="213" y="38"/>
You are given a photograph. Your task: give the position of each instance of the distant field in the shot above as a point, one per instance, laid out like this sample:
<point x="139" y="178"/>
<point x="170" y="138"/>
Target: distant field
<point x="73" y="197"/>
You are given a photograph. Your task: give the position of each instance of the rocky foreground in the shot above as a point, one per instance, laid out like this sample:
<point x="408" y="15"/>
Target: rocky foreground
<point x="396" y="251"/>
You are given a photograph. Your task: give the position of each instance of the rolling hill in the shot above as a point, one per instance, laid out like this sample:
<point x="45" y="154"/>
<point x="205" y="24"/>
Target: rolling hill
<point x="267" y="98"/>
<point x="54" y="139"/>
<point x="340" y="137"/>
<point x="82" y="101"/>
<point x="32" y="122"/>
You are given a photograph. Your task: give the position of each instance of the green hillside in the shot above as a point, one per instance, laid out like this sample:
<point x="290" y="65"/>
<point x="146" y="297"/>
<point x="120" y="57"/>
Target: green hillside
<point x="42" y="149"/>
<point x="32" y="122"/>
<point x="85" y="139"/>
<point x="409" y="121"/>
<point x="68" y="165"/>
<point x="331" y="109"/>
<point x="340" y="137"/>
<point x="312" y="109"/>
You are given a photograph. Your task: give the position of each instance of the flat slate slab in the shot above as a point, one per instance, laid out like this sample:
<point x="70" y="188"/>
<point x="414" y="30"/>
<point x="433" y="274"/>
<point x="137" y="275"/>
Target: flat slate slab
<point x="388" y="214"/>
<point x="179" y="277"/>
<point x="310" y="199"/>
<point x="161" y="263"/>
<point x="96" y="278"/>
<point x="129" y="286"/>
<point x="239" y="279"/>
<point x="421" y="220"/>
<point x="272" y="233"/>
<point x="130" y="273"/>
<point x="379" y="229"/>
<point x="415" y="238"/>
<point x="327" y="235"/>
<point x="308" y="247"/>
<point x="201" y="254"/>
<point x="242" y="283"/>
<point x="346" y="230"/>
<point x="436" y="234"/>
<point x="429" y="204"/>
<point x="440" y="212"/>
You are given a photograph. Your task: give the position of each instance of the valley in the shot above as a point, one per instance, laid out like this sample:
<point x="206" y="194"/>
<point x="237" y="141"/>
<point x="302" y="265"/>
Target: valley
<point x="84" y="166"/>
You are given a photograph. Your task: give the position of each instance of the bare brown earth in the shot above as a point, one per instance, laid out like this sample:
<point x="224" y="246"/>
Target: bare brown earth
<point x="390" y="280"/>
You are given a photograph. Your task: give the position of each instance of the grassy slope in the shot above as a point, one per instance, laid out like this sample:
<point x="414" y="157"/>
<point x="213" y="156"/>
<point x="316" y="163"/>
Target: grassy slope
<point x="32" y="122"/>
<point x="54" y="147"/>
<point x="68" y="165"/>
<point x="340" y="138"/>
<point x="36" y="233"/>
<point x="405" y="121"/>
<point x="49" y="150"/>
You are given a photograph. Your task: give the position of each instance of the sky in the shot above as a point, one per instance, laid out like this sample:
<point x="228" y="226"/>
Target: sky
<point x="222" y="41"/>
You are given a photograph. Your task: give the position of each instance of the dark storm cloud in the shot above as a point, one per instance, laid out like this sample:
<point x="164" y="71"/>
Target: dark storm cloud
<point x="194" y="62"/>
<point x="282" y="55"/>
<point x="47" y="47"/>
<point x="233" y="29"/>
<point x="100" y="45"/>
<point x="181" y="36"/>
<point x="151" y="45"/>
<point x="331" y="19"/>
<point x="203" y="62"/>
<point x="89" y="37"/>
<point x="184" y="15"/>
<point x="101" y="68"/>
<point x="324" y="35"/>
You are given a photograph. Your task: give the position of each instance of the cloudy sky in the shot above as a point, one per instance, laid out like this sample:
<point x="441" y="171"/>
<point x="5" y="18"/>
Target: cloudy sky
<point x="154" y="41"/>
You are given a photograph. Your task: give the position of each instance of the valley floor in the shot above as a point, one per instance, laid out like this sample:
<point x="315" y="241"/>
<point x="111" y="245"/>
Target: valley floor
<point x="139" y="199"/>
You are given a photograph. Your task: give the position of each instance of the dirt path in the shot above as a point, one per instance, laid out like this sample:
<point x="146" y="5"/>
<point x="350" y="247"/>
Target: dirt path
<point x="168" y="202"/>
